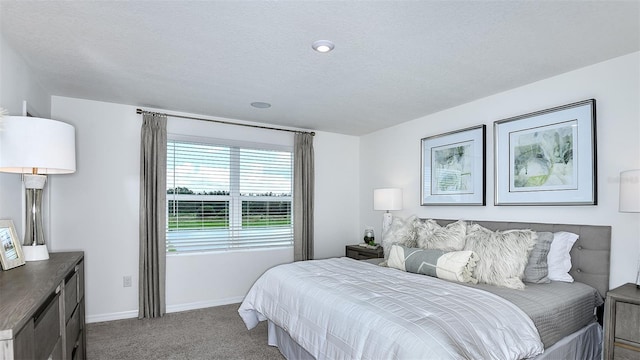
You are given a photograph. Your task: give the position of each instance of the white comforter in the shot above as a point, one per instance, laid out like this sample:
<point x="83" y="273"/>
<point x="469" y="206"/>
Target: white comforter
<point x="346" y="309"/>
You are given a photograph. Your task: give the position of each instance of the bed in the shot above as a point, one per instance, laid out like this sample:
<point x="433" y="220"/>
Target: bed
<point x="344" y="308"/>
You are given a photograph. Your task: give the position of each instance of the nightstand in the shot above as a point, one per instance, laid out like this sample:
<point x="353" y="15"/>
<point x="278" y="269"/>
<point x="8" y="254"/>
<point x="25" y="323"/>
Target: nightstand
<point x="622" y="323"/>
<point x="362" y="253"/>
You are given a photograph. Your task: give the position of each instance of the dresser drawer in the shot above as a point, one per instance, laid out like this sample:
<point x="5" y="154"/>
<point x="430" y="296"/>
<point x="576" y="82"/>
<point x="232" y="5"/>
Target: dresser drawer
<point x="23" y="343"/>
<point x="47" y="328"/>
<point x="78" y="350"/>
<point x="56" y="354"/>
<point x="70" y="295"/>
<point x="627" y="321"/>
<point x="625" y="353"/>
<point x="362" y="253"/>
<point x="73" y="331"/>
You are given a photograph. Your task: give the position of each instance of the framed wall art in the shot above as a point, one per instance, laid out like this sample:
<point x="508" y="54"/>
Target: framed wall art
<point x="547" y="157"/>
<point x="453" y="168"/>
<point x="10" y="250"/>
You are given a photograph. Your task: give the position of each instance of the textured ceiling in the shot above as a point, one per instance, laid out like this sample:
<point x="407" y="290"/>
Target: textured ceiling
<point x="393" y="61"/>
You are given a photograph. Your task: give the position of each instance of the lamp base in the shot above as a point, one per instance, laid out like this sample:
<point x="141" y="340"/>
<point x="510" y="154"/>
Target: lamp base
<point x="387" y="218"/>
<point x="35" y="252"/>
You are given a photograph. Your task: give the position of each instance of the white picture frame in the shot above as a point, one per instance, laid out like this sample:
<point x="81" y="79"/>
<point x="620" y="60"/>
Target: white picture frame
<point x="11" y="255"/>
<point x="453" y="168"/>
<point x="547" y="157"/>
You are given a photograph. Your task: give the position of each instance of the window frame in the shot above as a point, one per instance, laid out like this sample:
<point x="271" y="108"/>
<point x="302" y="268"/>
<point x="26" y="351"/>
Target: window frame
<point x="234" y="198"/>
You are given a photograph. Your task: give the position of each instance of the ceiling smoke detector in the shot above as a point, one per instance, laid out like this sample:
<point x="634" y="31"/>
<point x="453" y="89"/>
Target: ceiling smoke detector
<point x="260" y="105"/>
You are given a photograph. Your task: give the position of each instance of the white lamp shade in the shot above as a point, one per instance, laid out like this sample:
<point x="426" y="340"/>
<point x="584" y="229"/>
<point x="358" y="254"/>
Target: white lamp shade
<point x="630" y="191"/>
<point x="387" y="199"/>
<point x="30" y="142"/>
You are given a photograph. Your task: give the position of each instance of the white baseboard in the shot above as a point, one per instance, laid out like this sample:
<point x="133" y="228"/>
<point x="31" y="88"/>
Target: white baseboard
<point x="112" y="316"/>
<point x="170" y="309"/>
<point x="204" y="304"/>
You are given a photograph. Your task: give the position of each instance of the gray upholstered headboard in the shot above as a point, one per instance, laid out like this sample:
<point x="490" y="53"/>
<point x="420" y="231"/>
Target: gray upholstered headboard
<point x="589" y="255"/>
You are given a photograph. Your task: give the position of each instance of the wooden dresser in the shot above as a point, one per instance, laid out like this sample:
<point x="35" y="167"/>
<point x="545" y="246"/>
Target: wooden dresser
<point x="42" y="309"/>
<point x="622" y="323"/>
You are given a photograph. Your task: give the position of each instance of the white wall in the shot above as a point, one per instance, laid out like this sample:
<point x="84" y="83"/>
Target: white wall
<point x="96" y="210"/>
<point x="391" y="157"/>
<point x="17" y="84"/>
<point x="337" y="200"/>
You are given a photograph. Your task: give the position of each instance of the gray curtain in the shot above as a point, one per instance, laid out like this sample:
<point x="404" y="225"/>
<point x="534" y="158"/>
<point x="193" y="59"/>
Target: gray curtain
<point x="303" y="185"/>
<point x="153" y="194"/>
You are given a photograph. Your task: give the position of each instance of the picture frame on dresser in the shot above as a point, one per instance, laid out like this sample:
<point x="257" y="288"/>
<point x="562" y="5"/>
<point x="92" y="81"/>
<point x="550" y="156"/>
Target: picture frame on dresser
<point x="547" y="157"/>
<point x="11" y="255"/>
<point x="453" y="168"/>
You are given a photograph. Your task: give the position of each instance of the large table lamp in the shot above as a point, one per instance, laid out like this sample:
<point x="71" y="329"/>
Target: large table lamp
<point x="387" y="199"/>
<point x="630" y="200"/>
<point x="36" y="147"/>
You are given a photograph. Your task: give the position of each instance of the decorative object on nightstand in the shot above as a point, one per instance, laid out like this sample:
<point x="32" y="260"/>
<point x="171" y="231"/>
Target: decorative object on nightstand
<point x="369" y="238"/>
<point x="630" y="201"/>
<point x="387" y="199"/>
<point x="622" y="323"/>
<point x="36" y="147"/>
<point x="360" y="252"/>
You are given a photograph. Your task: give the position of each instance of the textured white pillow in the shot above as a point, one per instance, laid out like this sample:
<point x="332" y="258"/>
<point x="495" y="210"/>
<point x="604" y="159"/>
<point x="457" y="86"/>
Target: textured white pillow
<point x="400" y="232"/>
<point x="502" y="255"/>
<point x="559" y="259"/>
<point x="430" y="235"/>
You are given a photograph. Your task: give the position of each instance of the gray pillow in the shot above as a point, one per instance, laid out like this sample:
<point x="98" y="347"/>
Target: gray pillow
<point x="537" y="269"/>
<point x="502" y="255"/>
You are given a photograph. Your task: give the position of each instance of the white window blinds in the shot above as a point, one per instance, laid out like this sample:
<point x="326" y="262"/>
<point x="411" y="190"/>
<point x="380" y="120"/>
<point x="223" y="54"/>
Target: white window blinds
<point x="223" y="197"/>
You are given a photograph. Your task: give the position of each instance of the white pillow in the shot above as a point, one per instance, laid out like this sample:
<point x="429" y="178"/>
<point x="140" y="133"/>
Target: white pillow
<point x="502" y="255"/>
<point x="430" y="235"/>
<point x="401" y="232"/>
<point x="559" y="259"/>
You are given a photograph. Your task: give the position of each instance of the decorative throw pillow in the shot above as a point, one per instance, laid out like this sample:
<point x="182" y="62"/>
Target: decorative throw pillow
<point x="401" y="231"/>
<point x="559" y="258"/>
<point x="537" y="270"/>
<point x="502" y="255"/>
<point x="454" y="265"/>
<point x="448" y="238"/>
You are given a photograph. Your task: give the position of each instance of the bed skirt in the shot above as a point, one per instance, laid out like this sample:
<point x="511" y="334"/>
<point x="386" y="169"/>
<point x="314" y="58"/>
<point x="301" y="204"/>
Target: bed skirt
<point x="585" y="343"/>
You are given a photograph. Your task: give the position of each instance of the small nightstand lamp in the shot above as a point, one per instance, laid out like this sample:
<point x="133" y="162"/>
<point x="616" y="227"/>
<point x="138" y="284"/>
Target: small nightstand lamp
<point x="36" y="147"/>
<point x="387" y="199"/>
<point x="630" y="199"/>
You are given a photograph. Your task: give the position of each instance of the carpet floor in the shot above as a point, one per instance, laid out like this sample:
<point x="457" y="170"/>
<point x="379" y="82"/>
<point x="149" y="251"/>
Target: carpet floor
<point x="211" y="333"/>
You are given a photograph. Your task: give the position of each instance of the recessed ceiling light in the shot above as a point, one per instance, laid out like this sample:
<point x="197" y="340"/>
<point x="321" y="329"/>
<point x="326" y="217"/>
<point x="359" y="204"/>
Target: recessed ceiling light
<point x="323" y="46"/>
<point x="260" y="105"/>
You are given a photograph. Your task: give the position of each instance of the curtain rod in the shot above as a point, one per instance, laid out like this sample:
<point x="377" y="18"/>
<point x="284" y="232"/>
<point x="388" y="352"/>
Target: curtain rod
<point x="140" y="111"/>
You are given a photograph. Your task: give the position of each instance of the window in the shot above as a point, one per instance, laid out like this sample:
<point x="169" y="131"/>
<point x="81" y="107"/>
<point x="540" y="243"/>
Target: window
<point x="222" y="197"/>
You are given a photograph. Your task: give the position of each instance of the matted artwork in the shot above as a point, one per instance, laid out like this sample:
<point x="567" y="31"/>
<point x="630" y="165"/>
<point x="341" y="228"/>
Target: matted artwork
<point x="547" y="157"/>
<point x="453" y="168"/>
